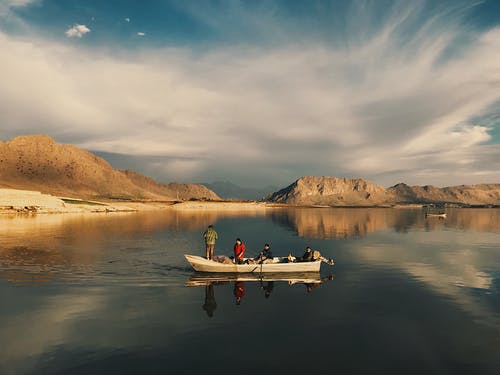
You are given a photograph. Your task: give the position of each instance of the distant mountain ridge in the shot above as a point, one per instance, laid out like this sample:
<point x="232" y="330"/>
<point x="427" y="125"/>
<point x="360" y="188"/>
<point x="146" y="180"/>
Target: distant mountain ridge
<point x="480" y="194"/>
<point x="334" y="191"/>
<point x="37" y="162"/>
<point x="228" y="190"/>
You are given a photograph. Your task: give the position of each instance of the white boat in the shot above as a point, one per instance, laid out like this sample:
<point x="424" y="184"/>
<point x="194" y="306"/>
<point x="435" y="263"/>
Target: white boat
<point x="201" y="264"/>
<point x="435" y="215"/>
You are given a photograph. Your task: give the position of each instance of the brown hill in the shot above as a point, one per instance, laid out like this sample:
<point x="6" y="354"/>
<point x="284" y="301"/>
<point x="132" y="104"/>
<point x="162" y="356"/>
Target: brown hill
<point x="332" y="191"/>
<point x="483" y="194"/>
<point x="38" y="163"/>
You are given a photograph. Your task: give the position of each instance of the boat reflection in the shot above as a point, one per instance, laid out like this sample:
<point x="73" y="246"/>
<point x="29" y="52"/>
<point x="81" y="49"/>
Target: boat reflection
<point x="265" y="283"/>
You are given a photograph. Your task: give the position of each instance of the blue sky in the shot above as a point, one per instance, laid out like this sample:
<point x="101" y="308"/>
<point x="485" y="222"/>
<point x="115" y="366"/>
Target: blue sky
<point x="261" y="92"/>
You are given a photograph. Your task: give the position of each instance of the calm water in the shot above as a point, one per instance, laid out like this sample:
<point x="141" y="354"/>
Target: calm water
<point x="111" y="294"/>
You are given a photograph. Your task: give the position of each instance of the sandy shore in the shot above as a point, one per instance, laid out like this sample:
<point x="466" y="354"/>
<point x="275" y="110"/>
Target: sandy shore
<point x="221" y="206"/>
<point x="25" y="201"/>
<point x="14" y="201"/>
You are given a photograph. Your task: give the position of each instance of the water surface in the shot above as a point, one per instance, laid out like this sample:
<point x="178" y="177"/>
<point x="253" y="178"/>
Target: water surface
<point x="111" y="293"/>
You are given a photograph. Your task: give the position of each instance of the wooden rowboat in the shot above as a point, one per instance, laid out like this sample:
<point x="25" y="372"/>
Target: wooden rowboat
<point x="279" y="265"/>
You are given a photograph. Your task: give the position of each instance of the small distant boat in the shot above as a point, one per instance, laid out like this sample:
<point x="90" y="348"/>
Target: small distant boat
<point x="436" y="215"/>
<point x="201" y="264"/>
<point x="201" y="279"/>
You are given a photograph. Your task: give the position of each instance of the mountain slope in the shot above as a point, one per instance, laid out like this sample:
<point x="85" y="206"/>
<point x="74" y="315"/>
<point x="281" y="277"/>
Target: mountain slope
<point x="38" y="163"/>
<point x="482" y="194"/>
<point x="332" y="191"/>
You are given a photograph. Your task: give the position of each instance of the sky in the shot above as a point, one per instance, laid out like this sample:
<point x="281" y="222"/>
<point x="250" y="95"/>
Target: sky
<point x="260" y="92"/>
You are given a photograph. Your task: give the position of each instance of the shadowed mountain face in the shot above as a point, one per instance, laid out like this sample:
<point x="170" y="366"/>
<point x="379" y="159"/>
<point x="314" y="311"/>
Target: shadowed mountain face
<point x="228" y="190"/>
<point x="39" y="163"/>
<point x="333" y="191"/>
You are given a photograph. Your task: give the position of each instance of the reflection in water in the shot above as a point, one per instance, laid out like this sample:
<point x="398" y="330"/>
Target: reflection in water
<point x="424" y="290"/>
<point x="39" y="247"/>
<point x="458" y="275"/>
<point x="359" y="222"/>
<point x="268" y="288"/>
<point x="265" y="283"/>
<point x="239" y="291"/>
<point x="210" y="304"/>
<point x="337" y="222"/>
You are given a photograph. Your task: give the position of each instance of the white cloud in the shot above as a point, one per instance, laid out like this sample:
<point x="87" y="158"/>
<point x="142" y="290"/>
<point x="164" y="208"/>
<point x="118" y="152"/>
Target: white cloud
<point x="17" y="3"/>
<point x="127" y="19"/>
<point x="7" y="5"/>
<point x="77" y="31"/>
<point x="140" y="33"/>
<point x="378" y="108"/>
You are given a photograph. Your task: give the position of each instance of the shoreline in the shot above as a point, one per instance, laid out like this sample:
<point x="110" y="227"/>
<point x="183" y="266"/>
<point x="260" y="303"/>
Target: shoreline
<point x="14" y="201"/>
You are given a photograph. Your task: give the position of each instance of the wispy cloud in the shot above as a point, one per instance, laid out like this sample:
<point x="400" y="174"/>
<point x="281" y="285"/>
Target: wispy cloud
<point x="140" y="33"/>
<point x="7" y="5"/>
<point x="395" y="103"/>
<point x="77" y="31"/>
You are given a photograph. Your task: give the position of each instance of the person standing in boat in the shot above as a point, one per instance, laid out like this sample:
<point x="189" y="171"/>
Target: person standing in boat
<point x="264" y="255"/>
<point x="239" y="251"/>
<point x="210" y="237"/>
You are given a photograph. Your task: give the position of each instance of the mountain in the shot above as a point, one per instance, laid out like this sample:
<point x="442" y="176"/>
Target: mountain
<point x="333" y="191"/>
<point x="482" y="194"/>
<point x="37" y="162"/>
<point x="228" y="190"/>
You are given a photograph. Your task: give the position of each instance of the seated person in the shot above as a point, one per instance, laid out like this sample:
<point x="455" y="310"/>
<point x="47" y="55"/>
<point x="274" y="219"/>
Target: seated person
<point x="239" y="251"/>
<point x="307" y="257"/>
<point x="264" y="255"/>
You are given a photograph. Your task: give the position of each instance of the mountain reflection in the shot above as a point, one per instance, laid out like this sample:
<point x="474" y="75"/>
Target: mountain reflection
<point x="39" y="247"/>
<point x="36" y="248"/>
<point x="359" y="222"/>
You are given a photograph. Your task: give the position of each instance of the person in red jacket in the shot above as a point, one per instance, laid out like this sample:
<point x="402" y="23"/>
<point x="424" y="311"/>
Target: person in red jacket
<point x="239" y="251"/>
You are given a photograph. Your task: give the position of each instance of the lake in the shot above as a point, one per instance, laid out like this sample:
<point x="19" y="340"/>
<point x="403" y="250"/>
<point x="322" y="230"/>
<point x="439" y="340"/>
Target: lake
<point x="112" y="294"/>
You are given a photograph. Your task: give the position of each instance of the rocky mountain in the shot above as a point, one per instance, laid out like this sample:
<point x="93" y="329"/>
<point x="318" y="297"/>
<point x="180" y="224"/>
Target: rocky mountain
<point x="38" y="163"/>
<point x="333" y="191"/>
<point x="482" y="194"/>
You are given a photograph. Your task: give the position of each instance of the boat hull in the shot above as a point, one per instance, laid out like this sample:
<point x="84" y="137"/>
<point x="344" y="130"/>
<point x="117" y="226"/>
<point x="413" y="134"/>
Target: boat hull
<point x="204" y="265"/>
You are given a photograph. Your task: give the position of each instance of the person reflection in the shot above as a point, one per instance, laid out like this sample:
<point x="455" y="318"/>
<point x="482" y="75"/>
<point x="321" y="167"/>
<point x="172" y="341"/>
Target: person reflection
<point x="311" y="286"/>
<point x="239" y="291"/>
<point x="210" y="305"/>
<point x="268" y="288"/>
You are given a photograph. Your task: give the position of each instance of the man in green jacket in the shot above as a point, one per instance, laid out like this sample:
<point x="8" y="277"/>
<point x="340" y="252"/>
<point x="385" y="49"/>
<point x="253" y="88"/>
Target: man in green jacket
<point x="210" y="236"/>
